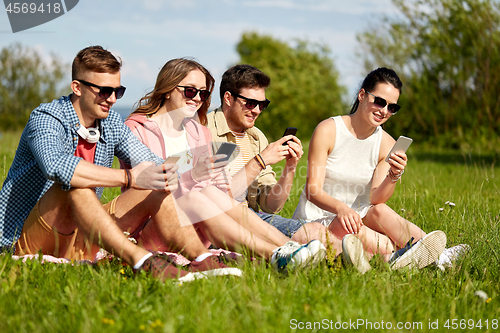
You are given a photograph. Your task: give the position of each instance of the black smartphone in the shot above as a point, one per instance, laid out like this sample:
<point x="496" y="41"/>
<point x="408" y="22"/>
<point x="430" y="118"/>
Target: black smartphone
<point x="289" y="131"/>
<point x="227" y="149"/>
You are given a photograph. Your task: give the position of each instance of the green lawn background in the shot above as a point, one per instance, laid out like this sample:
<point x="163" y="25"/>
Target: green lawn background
<point x="37" y="297"/>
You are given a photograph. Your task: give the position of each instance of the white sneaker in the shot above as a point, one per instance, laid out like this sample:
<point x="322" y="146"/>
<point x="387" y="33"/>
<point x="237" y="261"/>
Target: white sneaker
<point x="290" y="255"/>
<point x="317" y="251"/>
<point x="450" y="255"/>
<point x="420" y="254"/>
<point x="354" y="254"/>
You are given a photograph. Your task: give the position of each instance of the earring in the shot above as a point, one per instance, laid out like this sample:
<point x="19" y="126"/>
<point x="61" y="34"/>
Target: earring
<point x="167" y="96"/>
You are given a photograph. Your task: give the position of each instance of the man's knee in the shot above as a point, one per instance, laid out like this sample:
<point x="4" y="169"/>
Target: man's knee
<point x="79" y="193"/>
<point x="144" y="200"/>
<point x="56" y="206"/>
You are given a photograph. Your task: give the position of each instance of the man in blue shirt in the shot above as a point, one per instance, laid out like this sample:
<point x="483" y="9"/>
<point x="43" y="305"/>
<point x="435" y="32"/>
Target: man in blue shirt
<point x="49" y="202"/>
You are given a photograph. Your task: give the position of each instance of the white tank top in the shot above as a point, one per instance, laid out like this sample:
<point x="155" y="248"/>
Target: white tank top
<point x="348" y="175"/>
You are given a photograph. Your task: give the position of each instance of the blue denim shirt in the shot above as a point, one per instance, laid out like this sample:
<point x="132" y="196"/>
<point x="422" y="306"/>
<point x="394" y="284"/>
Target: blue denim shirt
<point x="45" y="156"/>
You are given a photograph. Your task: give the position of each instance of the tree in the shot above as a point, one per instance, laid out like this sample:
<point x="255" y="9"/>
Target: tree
<point x="26" y="80"/>
<point x="447" y="53"/>
<point x="304" y="83"/>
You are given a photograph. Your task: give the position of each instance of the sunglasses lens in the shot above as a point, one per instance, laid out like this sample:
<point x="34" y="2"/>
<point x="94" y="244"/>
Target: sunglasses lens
<point x="393" y="108"/>
<point x="105" y="92"/>
<point x="251" y="104"/>
<point x="264" y="105"/>
<point x="204" y="94"/>
<point x="380" y="102"/>
<point x="190" y="92"/>
<point x="119" y="92"/>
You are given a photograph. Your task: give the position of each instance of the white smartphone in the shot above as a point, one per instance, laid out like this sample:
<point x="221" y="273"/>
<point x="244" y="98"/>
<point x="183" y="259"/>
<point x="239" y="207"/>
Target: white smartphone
<point x="400" y="146"/>
<point x="172" y="159"/>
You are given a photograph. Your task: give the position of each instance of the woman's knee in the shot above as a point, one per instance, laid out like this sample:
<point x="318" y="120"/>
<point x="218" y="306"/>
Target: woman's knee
<point x="380" y="210"/>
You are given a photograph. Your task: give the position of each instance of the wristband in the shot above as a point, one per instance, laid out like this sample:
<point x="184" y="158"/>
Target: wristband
<point x="260" y="160"/>
<point x="128" y="179"/>
<point x="393" y="176"/>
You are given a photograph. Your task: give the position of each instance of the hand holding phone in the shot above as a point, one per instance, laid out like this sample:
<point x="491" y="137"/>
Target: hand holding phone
<point x="401" y="146"/>
<point x="289" y="131"/>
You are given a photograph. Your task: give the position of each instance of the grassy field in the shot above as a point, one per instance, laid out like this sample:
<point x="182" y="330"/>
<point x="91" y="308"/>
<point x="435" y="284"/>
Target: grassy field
<point x="37" y="297"/>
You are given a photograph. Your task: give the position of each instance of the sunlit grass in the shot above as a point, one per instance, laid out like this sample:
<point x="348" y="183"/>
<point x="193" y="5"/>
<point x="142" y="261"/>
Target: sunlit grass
<point x="37" y="297"/>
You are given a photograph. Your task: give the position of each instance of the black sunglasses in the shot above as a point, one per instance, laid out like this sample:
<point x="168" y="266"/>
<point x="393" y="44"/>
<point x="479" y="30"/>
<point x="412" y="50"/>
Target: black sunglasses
<point x="191" y="92"/>
<point x="252" y="103"/>
<point x="379" y="101"/>
<point x="106" y="92"/>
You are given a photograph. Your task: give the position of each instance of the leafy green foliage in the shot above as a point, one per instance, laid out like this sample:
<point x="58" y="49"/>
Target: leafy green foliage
<point x="26" y="80"/>
<point x="447" y="53"/>
<point x="304" y="83"/>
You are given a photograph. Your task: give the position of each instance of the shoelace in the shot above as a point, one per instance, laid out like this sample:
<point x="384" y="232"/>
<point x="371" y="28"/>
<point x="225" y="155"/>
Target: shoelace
<point x="280" y="253"/>
<point x="288" y="249"/>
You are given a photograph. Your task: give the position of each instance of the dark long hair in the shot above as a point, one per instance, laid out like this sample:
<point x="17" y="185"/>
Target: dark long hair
<point x="379" y="75"/>
<point x="172" y="73"/>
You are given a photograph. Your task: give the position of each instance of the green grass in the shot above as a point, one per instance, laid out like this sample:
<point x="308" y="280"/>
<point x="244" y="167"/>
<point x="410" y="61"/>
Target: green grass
<point x="37" y="297"/>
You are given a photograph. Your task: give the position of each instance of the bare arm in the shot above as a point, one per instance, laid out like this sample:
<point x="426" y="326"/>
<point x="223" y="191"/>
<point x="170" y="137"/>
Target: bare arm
<point x="89" y="175"/>
<point x="280" y="192"/>
<point x="272" y="154"/>
<point x="382" y="186"/>
<point x="146" y="175"/>
<point x="322" y="144"/>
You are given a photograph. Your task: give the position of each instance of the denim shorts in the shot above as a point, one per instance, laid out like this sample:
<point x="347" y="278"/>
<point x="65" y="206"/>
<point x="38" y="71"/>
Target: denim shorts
<point x="288" y="227"/>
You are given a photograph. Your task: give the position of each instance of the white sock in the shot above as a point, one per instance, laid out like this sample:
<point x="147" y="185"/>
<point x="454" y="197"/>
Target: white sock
<point x="140" y="262"/>
<point x="203" y="256"/>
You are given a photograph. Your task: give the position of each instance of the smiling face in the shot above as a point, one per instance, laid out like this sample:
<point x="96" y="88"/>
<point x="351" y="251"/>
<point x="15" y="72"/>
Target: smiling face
<point x="89" y="105"/>
<point x="176" y="101"/>
<point x="371" y="112"/>
<point x="239" y="118"/>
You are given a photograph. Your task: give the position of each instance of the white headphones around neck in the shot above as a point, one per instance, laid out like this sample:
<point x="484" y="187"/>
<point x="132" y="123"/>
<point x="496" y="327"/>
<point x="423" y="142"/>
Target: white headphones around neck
<point x="91" y="134"/>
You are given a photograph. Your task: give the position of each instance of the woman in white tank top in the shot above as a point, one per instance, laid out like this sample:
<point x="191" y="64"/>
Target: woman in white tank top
<point x="348" y="179"/>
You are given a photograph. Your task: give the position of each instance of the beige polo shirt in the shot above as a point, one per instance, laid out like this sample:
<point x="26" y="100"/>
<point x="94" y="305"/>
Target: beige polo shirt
<point x="260" y="188"/>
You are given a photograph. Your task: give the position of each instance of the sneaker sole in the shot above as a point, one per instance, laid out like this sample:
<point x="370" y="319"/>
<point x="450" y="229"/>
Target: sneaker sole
<point x="424" y="253"/>
<point x="213" y="272"/>
<point x="353" y="253"/>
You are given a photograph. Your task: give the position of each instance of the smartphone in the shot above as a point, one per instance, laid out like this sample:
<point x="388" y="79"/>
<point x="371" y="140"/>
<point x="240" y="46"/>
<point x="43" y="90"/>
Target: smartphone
<point x="400" y="146"/>
<point x="172" y="159"/>
<point x="289" y="131"/>
<point x="227" y="149"/>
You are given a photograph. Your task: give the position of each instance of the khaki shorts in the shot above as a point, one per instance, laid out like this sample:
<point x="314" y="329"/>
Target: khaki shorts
<point x="37" y="236"/>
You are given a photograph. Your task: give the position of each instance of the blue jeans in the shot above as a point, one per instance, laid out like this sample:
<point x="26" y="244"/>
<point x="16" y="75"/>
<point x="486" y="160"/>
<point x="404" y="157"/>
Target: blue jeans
<point x="288" y="227"/>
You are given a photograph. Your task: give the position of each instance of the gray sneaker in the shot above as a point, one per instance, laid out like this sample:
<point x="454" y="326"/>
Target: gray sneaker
<point x="420" y="254"/>
<point x="354" y="254"/>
